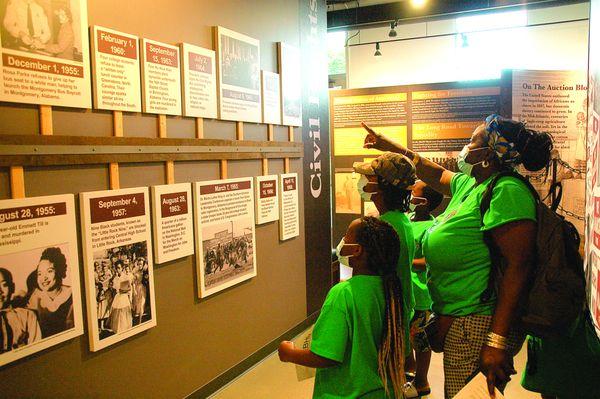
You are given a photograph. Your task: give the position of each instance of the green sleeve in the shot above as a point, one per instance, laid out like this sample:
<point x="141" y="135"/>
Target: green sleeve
<point x="511" y="201"/>
<point x="332" y="330"/>
<point x="458" y="182"/>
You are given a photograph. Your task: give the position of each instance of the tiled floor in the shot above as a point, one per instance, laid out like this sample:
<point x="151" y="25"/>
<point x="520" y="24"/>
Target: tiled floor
<point x="271" y="379"/>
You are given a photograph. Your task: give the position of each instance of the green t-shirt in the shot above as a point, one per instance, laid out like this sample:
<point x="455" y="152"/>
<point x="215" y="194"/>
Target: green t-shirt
<point x="419" y="278"/>
<point x="348" y="331"/>
<point x="458" y="258"/>
<point x="401" y="224"/>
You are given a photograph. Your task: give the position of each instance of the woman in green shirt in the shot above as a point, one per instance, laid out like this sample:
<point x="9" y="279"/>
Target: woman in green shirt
<point x="479" y="333"/>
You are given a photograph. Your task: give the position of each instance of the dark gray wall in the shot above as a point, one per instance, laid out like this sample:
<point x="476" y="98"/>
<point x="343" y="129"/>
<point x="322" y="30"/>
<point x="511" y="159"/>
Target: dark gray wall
<point x="194" y="340"/>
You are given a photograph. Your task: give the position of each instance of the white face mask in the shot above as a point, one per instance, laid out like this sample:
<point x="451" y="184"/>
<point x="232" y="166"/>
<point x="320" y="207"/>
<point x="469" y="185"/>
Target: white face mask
<point x="360" y="185"/>
<point x="344" y="259"/>
<point x="463" y="165"/>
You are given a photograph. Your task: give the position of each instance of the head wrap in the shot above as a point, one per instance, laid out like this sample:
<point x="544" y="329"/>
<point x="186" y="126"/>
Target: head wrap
<point x="507" y="138"/>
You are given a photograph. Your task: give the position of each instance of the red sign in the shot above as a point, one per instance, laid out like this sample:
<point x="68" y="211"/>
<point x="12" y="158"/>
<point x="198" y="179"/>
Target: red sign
<point x="104" y="209"/>
<point x="113" y="44"/>
<point x="200" y="63"/>
<point x="173" y="204"/>
<point x="220" y="188"/>
<point x="268" y="188"/>
<point x="289" y="183"/>
<point x="32" y="212"/>
<point x="34" y="64"/>
<point x="162" y="55"/>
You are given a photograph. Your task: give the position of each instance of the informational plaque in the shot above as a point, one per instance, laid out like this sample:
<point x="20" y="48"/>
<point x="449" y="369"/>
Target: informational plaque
<point x="289" y="219"/>
<point x="199" y="81"/>
<point x="225" y="239"/>
<point x="45" y="53"/>
<point x="118" y="266"/>
<point x="173" y="225"/>
<point x="161" y="78"/>
<point x="291" y="91"/>
<point x="271" y="98"/>
<point x="116" y="70"/>
<point x="267" y="199"/>
<point x="38" y="261"/>
<point x="238" y="67"/>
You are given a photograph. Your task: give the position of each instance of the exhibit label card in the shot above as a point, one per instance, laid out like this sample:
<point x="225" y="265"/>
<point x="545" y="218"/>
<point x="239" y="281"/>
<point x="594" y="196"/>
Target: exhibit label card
<point x="289" y="220"/>
<point x="267" y="199"/>
<point x="238" y="67"/>
<point x="45" y="53"/>
<point x="270" y="96"/>
<point x="225" y="240"/>
<point x="161" y="78"/>
<point x="38" y="261"/>
<point x="291" y="91"/>
<point x="199" y="81"/>
<point x="118" y="267"/>
<point x="173" y="226"/>
<point x="116" y="70"/>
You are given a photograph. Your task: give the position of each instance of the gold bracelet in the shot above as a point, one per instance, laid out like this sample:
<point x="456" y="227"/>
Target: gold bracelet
<point x="497" y="337"/>
<point x="496" y="345"/>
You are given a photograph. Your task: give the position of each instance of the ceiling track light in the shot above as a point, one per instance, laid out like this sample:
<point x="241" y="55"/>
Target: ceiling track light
<point x="377" y="52"/>
<point x="393" y="32"/>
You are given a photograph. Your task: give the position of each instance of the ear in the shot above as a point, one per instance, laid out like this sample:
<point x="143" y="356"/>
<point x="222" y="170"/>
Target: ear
<point x="357" y="250"/>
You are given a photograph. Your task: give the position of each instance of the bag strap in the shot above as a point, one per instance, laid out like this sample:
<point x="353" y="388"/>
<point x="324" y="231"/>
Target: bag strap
<point x="495" y="255"/>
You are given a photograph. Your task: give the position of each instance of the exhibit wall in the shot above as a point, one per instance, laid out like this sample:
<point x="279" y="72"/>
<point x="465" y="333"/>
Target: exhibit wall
<point x="195" y="339"/>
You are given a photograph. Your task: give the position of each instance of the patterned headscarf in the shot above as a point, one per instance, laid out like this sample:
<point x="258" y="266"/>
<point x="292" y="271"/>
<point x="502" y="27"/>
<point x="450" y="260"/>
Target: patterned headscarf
<point x="502" y="137"/>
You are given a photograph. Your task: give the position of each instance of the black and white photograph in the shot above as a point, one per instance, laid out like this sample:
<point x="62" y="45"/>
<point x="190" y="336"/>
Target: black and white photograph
<point x="45" y="27"/>
<point x="240" y="63"/>
<point x="121" y="277"/>
<point x="228" y="250"/>
<point x="36" y="300"/>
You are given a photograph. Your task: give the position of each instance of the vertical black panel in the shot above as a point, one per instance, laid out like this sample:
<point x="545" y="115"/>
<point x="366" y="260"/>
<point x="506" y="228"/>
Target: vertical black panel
<point x="316" y="164"/>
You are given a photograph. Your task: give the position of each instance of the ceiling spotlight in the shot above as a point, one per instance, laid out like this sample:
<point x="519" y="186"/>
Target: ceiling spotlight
<point x="377" y="52"/>
<point x="393" y="32"/>
<point x="418" y="3"/>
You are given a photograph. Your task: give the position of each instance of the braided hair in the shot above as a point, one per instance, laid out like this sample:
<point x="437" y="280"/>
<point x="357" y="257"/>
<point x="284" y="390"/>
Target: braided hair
<point x="380" y="241"/>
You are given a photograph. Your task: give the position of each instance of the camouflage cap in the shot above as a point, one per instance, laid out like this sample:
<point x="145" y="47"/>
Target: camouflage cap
<point x="395" y="169"/>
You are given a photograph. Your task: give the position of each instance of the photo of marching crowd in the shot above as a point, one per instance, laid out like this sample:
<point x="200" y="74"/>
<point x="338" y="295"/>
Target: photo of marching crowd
<point x="36" y="300"/>
<point x="122" y="288"/>
<point x="228" y="253"/>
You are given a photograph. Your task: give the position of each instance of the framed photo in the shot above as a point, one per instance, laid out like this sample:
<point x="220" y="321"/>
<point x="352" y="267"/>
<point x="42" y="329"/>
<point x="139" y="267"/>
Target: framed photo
<point x="119" y="277"/>
<point x="291" y="80"/>
<point x="115" y="70"/>
<point x="225" y="236"/>
<point x="40" y="300"/>
<point x="238" y="71"/>
<point x="45" y="52"/>
<point x="199" y="81"/>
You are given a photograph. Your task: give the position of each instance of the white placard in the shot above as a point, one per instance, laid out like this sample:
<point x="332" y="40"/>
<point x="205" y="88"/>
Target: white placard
<point x="173" y="225"/>
<point x="289" y="218"/>
<point x="118" y="267"/>
<point x="238" y="68"/>
<point x="271" y="98"/>
<point x="225" y="239"/>
<point x="45" y="53"/>
<point x="115" y="70"/>
<point x="161" y="78"/>
<point x="38" y="260"/>
<point x="267" y="199"/>
<point x="198" y="71"/>
<point x="291" y="80"/>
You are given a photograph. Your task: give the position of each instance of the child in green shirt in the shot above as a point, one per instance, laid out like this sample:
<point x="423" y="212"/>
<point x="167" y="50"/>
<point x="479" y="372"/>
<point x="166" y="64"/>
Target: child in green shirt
<point x="358" y="339"/>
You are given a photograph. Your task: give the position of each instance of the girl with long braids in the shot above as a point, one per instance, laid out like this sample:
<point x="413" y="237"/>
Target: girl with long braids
<point x="358" y="339"/>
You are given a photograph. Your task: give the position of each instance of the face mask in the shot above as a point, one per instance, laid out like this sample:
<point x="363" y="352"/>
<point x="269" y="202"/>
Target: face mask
<point x="463" y="165"/>
<point x="360" y="185"/>
<point x="344" y="259"/>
